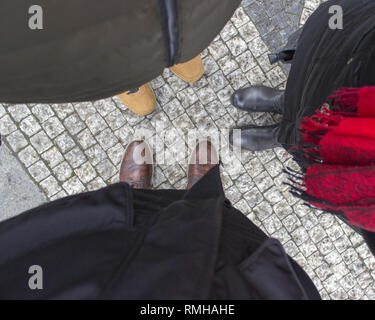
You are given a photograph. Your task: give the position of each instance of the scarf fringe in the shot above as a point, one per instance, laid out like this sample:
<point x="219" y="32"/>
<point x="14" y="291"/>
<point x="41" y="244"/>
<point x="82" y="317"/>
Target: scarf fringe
<point x="342" y="104"/>
<point x="346" y="99"/>
<point x="298" y="190"/>
<point x="313" y="129"/>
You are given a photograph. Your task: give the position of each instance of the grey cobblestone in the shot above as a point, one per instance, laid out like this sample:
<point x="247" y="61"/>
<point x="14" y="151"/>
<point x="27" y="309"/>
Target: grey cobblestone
<point x="52" y="157"/>
<point x="63" y="171"/>
<point x="17" y="141"/>
<point x="19" y="111"/>
<point x="41" y="142"/>
<point x="30" y="126"/>
<point x="43" y="112"/>
<point x="50" y="186"/>
<point x="73" y="186"/>
<point x="53" y="127"/>
<point x="39" y="171"/>
<point x="28" y="156"/>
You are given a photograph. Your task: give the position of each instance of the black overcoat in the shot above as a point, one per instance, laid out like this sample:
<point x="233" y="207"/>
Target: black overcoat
<point x="91" y="49"/>
<point x="120" y="243"/>
<point x="326" y="60"/>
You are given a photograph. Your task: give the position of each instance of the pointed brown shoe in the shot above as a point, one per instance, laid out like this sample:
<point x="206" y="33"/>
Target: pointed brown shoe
<point x="141" y="101"/>
<point x="190" y="71"/>
<point x="136" y="167"/>
<point x="203" y="159"/>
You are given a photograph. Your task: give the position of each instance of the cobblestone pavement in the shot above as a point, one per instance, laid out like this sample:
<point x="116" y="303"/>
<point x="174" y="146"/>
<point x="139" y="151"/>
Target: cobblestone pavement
<point x="71" y="148"/>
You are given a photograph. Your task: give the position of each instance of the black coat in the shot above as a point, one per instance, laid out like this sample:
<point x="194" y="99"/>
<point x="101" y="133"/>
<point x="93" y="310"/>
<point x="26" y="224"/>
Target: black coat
<point x="91" y="49"/>
<point x="119" y="243"/>
<point x="326" y="60"/>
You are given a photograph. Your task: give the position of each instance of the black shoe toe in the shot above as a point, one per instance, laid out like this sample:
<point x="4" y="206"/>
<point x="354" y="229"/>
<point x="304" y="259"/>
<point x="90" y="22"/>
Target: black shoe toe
<point x="237" y="100"/>
<point x="255" y="138"/>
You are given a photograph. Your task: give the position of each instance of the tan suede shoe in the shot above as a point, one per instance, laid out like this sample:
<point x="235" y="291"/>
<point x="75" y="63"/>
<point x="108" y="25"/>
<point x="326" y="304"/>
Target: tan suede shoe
<point x="142" y="101"/>
<point x="190" y="71"/>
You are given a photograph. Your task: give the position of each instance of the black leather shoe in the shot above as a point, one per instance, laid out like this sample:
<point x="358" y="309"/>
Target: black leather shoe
<point x="259" y="99"/>
<point x="255" y="138"/>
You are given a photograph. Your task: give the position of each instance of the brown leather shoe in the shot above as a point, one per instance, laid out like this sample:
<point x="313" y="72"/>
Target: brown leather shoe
<point x="141" y="101"/>
<point x="136" y="167"/>
<point x="190" y="71"/>
<point x="203" y="159"/>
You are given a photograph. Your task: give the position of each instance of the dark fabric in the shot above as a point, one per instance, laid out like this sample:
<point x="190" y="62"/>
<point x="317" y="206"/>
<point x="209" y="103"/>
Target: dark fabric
<point x="169" y="15"/>
<point x="369" y="238"/>
<point x="200" y="22"/>
<point x="286" y="55"/>
<point x="90" y="50"/>
<point x="327" y="60"/>
<point x="269" y="259"/>
<point x="119" y="243"/>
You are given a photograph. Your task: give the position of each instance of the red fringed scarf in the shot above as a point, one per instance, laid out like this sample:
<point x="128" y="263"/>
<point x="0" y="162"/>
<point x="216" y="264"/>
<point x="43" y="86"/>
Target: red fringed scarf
<point x="339" y="144"/>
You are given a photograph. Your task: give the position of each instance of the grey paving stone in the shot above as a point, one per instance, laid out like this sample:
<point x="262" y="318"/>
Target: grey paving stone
<point x="63" y="171"/>
<point x="52" y="157"/>
<point x="43" y="112"/>
<point x="28" y="156"/>
<point x="41" y="142"/>
<point x="16" y="140"/>
<point x="30" y="126"/>
<point x="18" y="192"/>
<point x="50" y="186"/>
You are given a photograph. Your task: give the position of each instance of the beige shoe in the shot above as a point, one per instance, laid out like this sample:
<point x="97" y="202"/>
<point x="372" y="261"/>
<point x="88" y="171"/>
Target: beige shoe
<point x="142" y="101"/>
<point x="190" y="71"/>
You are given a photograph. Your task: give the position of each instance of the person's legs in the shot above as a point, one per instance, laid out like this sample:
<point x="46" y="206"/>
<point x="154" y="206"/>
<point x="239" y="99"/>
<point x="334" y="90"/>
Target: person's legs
<point x="258" y="99"/>
<point x="271" y="136"/>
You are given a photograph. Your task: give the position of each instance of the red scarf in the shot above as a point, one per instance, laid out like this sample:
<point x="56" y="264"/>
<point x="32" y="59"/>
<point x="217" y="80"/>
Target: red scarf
<point x="339" y="144"/>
